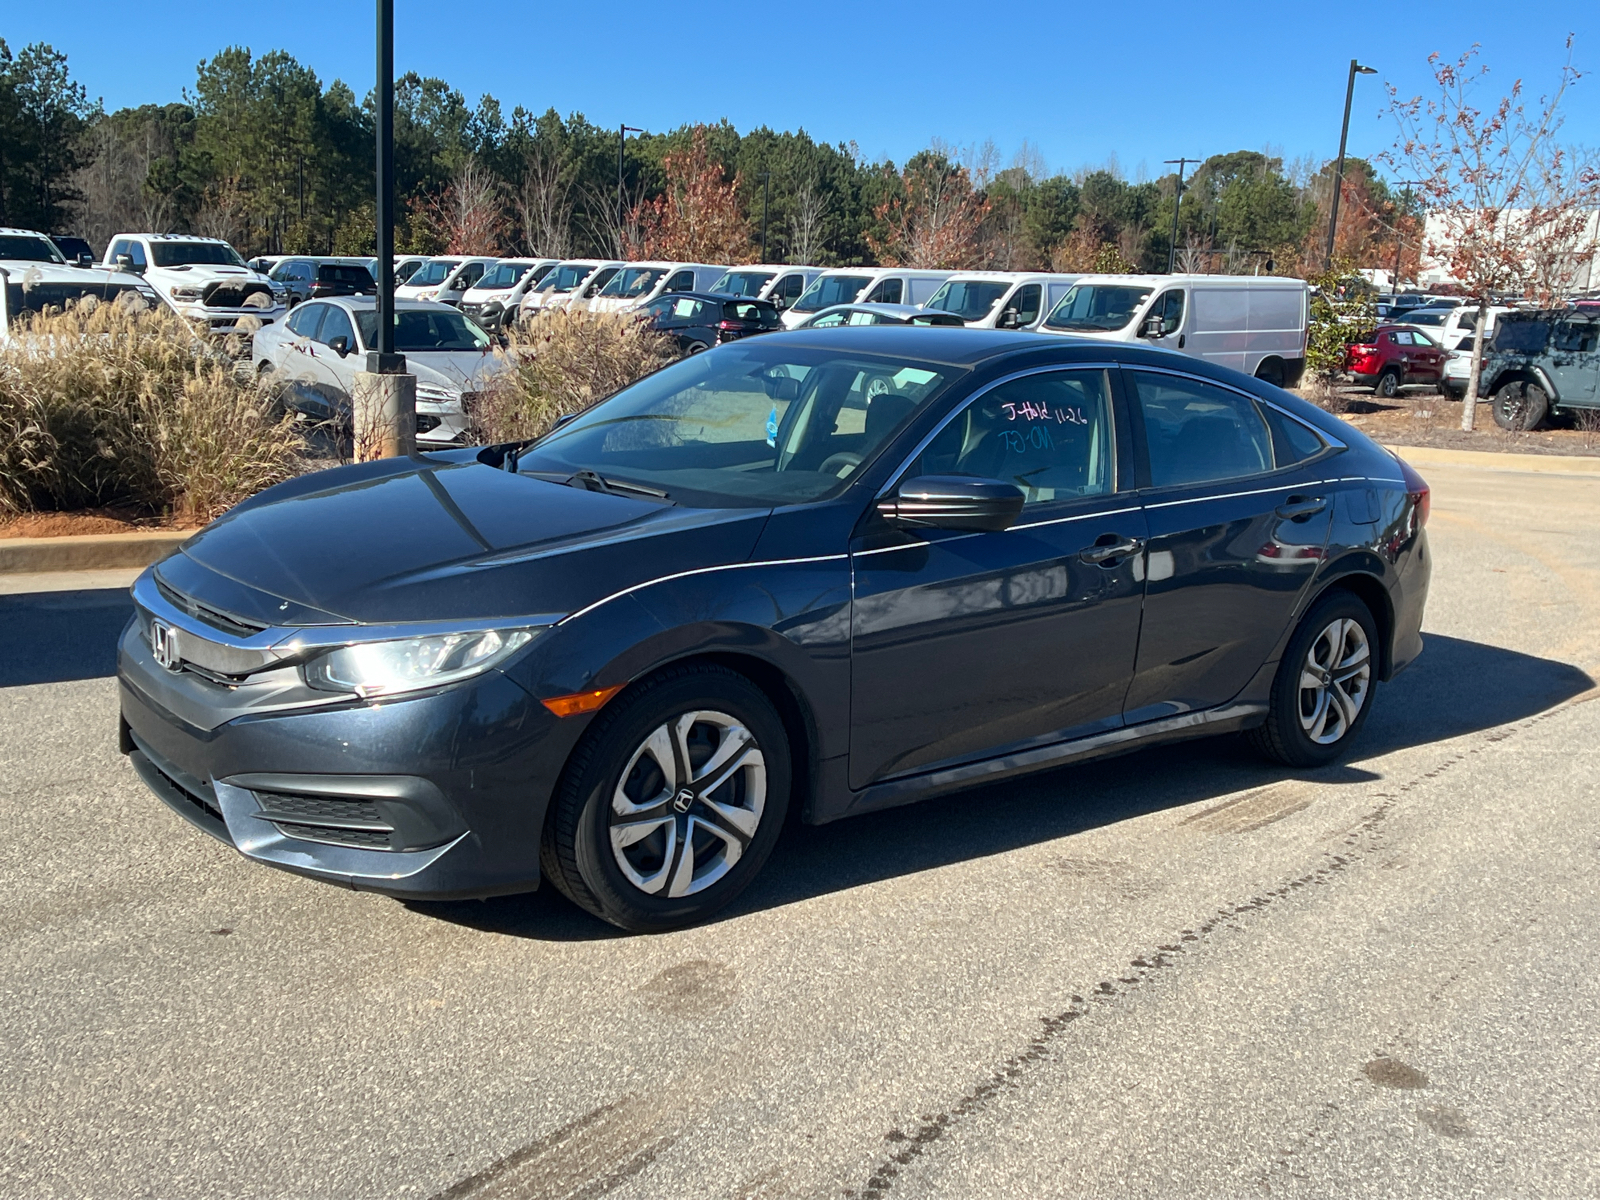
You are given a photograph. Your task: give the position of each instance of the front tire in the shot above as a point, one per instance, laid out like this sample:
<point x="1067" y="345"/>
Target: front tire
<point x="672" y="801"/>
<point x="1519" y="407"/>
<point x="1323" y="689"/>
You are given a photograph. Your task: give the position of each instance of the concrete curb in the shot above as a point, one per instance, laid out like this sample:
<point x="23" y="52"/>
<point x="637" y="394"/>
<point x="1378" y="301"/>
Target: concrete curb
<point x="1540" y="464"/>
<point x="87" y="552"/>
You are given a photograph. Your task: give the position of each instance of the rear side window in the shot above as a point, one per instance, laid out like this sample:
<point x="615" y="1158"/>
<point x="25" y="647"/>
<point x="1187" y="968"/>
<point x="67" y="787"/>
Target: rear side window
<point x="1197" y="432"/>
<point x="1576" y="337"/>
<point x="1521" y="337"/>
<point x="749" y="310"/>
<point x="1292" y="442"/>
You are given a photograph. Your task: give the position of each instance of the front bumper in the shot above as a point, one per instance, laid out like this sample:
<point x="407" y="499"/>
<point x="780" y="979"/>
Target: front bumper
<point x="226" y="320"/>
<point x="441" y="795"/>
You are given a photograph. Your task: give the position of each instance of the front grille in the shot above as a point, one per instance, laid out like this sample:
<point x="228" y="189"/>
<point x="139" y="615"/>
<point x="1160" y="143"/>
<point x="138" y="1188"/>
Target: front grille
<point x="427" y="423"/>
<point x="199" y="802"/>
<point x="334" y="820"/>
<point x="214" y="617"/>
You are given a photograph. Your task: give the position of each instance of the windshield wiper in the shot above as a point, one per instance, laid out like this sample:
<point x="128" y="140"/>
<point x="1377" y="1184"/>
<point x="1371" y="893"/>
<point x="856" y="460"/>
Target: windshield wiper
<point x="595" y="482"/>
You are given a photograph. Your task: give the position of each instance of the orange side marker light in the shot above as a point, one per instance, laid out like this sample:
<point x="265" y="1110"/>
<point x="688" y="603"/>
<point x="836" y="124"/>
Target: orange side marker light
<point x="580" y="702"/>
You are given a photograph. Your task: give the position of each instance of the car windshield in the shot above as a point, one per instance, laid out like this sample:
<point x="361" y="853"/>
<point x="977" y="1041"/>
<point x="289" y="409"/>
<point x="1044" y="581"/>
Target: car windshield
<point x="746" y="425"/>
<point x="970" y="299"/>
<point x="434" y="271"/>
<point x="829" y="290"/>
<point x="502" y="275"/>
<point x="416" y="330"/>
<point x="205" y="254"/>
<point x="1431" y="317"/>
<point x="566" y="277"/>
<point x="742" y="283"/>
<point x="632" y="282"/>
<point x="21" y="247"/>
<point x="1097" y="307"/>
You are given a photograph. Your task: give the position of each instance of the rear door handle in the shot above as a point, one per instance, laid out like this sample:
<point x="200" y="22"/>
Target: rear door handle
<point x="1109" y="546"/>
<point x="1298" y="508"/>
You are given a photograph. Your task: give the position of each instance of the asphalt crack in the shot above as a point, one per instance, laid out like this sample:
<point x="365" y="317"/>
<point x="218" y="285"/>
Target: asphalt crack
<point x="1361" y="840"/>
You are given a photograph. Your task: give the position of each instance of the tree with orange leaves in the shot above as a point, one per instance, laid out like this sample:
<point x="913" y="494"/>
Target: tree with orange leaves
<point x="933" y="219"/>
<point x="697" y="218"/>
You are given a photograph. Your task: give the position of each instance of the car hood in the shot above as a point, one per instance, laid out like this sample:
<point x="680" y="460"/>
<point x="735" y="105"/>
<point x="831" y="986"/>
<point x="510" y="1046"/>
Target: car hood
<point x="198" y="275"/>
<point x="463" y="371"/>
<point x="422" y="539"/>
<point x="475" y="296"/>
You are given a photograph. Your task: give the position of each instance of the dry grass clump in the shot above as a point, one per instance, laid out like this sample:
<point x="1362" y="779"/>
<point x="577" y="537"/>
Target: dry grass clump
<point x="1323" y="391"/>
<point x="565" y="361"/>
<point x="107" y="404"/>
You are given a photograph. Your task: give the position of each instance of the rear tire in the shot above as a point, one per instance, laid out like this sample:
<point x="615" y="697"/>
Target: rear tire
<point x="1388" y="385"/>
<point x="648" y="829"/>
<point x="1519" y="407"/>
<point x="1323" y="689"/>
<point x="1271" y="371"/>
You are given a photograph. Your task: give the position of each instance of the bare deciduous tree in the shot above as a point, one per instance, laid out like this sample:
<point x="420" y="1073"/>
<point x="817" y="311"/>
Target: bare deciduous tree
<point x="1501" y="183"/>
<point x="806" y="218"/>
<point x="544" y="206"/>
<point x="471" y="213"/>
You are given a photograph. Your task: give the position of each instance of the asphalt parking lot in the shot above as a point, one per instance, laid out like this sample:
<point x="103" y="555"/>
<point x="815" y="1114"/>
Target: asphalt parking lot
<point x="1177" y="973"/>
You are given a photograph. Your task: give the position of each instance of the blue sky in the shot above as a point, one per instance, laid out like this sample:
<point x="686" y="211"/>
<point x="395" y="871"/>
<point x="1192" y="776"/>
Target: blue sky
<point x="1079" y="82"/>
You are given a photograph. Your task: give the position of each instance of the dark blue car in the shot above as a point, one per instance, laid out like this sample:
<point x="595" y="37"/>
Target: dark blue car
<point x="827" y="571"/>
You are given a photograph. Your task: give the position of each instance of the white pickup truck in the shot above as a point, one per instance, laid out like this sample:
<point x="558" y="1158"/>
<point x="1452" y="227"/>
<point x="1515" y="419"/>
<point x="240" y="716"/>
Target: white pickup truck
<point x="203" y="279"/>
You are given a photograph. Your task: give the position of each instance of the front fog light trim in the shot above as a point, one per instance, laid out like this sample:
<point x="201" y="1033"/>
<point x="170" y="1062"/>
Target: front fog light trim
<point x="394" y="666"/>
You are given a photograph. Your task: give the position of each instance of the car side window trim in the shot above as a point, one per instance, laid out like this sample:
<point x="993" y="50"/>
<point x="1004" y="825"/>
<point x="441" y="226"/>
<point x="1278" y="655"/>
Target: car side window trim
<point x="1332" y="443"/>
<point x="923" y="443"/>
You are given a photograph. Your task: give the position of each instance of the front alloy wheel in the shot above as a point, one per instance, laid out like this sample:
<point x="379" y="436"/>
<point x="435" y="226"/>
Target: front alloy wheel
<point x="671" y="801"/>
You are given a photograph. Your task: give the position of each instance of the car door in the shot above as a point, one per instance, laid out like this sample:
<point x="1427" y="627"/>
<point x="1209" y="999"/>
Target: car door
<point x="968" y="645"/>
<point x="887" y="291"/>
<point x="336" y="371"/>
<point x="1427" y="358"/>
<point x="1574" y="360"/>
<point x="1169" y="307"/>
<point x="681" y="281"/>
<point x="1238" y="516"/>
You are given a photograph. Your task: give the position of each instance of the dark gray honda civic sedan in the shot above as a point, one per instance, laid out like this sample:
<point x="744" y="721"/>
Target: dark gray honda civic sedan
<point x="827" y="571"/>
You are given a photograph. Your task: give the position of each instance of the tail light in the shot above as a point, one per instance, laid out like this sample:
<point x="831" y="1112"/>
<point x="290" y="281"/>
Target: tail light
<point x="1416" y="491"/>
<point x="731" y="326"/>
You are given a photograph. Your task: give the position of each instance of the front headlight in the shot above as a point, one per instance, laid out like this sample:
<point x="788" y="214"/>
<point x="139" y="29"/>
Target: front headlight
<point x="408" y="664"/>
<point x="435" y="394"/>
<point x="186" y="293"/>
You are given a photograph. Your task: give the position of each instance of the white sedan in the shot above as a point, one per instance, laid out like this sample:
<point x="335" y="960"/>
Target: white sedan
<point x="318" y="350"/>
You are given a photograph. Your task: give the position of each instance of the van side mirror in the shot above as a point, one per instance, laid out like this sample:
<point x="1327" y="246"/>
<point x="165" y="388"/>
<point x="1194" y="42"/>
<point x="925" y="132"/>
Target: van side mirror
<point x="1154" y="327"/>
<point x="953" y="502"/>
<point x="86" y="260"/>
<point x="1009" y="319"/>
<point x="340" y="345"/>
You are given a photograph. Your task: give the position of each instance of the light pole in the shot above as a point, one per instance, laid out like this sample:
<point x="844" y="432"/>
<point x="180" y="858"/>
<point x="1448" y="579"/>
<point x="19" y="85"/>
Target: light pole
<point x="622" y="141"/>
<point x="766" y="201"/>
<point x="1344" y="133"/>
<point x="1177" y="203"/>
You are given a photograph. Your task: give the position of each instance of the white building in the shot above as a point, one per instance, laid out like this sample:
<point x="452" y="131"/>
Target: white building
<point x="1579" y="273"/>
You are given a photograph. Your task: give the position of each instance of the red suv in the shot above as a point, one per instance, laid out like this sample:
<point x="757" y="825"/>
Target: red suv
<point x="1396" y="355"/>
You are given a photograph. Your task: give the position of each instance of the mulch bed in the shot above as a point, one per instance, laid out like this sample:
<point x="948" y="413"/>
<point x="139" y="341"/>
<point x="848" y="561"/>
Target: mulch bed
<point x="97" y="520"/>
<point x="1420" y="416"/>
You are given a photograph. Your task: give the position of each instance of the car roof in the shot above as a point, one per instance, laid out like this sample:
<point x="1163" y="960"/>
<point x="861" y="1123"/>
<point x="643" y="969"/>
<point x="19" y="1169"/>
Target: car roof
<point x="719" y="297"/>
<point x="955" y="346"/>
<point x="172" y="237"/>
<point x="871" y="306"/>
<point x="365" y="303"/>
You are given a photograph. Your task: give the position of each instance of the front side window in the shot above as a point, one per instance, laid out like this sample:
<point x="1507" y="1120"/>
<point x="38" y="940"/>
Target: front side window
<point x="1050" y="434"/>
<point x="863" y="318"/>
<point x="208" y="254"/>
<point x="789" y="287"/>
<point x="335" y="325"/>
<point x="751" y="424"/>
<point x="888" y="291"/>
<point x="601" y="278"/>
<point x="1026" y="302"/>
<point x="828" y="290"/>
<point x="687" y="311"/>
<point x="632" y="282"/>
<point x="1197" y="432"/>
<point x="830" y="320"/>
<point x="683" y="281"/>
<point x="1097" y="307"/>
<point x="470" y="274"/>
<point x="1169" y="307"/>
<point x="25" y="248"/>
<point x="426" y="329"/>
<point x="969" y="299"/>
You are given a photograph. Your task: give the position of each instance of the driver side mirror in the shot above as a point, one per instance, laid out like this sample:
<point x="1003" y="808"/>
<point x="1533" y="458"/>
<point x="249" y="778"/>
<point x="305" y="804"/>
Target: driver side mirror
<point x="86" y="260"/>
<point x="953" y="502"/>
<point x="1154" y="327"/>
<point x="340" y="346"/>
<point x="1009" y="319"/>
<point x="125" y="263"/>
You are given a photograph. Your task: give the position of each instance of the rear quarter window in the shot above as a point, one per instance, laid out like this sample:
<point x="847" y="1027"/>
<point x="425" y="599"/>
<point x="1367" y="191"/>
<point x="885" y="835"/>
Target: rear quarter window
<point x="1521" y="337"/>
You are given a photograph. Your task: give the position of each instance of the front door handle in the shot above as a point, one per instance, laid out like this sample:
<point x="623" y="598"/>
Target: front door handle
<point x="1109" y="546"/>
<point x="1298" y="508"/>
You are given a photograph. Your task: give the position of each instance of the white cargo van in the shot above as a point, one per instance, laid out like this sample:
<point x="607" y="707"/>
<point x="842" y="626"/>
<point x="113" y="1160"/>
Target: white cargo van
<point x="444" y="279"/>
<point x="767" y="281"/>
<point x="1000" y="299"/>
<point x="1252" y="323"/>
<point x="864" y="285"/>
<point x="492" y="302"/>
<point x="574" y="278"/>
<point x="641" y="282"/>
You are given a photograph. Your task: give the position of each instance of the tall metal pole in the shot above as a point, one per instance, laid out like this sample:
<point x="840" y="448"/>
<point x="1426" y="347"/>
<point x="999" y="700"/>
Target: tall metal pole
<point x="766" y="201"/>
<point x="1338" y="172"/>
<point x="1172" y="249"/>
<point x="385" y="198"/>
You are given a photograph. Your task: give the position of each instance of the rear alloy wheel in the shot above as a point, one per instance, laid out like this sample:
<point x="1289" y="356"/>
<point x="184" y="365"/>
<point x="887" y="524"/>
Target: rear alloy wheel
<point x="1323" y="689"/>
<point x="1519" y="407"/>
<point x="672" y="801"/>
<point x="1388" y="385"/>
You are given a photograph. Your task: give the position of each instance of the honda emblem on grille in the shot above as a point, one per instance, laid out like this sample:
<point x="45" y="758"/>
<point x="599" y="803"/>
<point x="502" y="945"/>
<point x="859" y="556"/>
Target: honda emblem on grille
<point x="164" y="645"/>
